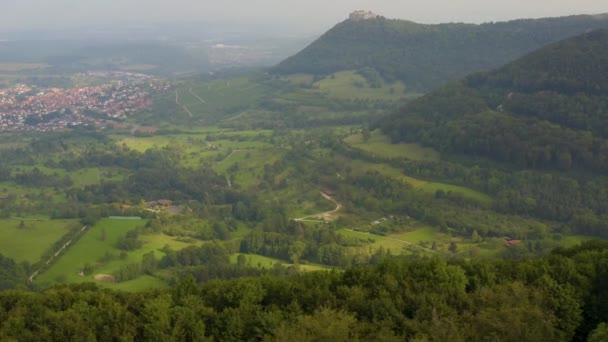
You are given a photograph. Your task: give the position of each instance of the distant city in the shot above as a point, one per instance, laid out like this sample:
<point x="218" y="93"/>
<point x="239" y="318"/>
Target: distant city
<point x="31" y="108"/>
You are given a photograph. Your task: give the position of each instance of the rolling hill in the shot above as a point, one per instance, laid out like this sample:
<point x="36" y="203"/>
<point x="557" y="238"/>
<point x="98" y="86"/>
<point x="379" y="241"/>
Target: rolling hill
<point x="426" y="56"/>
<point x="547" y="110"/>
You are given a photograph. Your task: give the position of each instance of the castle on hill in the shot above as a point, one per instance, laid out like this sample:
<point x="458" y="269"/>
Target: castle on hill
<point x="363" y="15"/>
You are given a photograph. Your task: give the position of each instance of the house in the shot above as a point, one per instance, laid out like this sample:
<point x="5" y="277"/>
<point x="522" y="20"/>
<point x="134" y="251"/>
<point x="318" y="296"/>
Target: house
<point x="511" y="243"/>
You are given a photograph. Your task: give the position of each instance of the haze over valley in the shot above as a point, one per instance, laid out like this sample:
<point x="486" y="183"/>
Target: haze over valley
<point x="353" y="170"/>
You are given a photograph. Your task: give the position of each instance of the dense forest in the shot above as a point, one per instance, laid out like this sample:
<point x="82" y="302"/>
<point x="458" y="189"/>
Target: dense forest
<point x="546" y="110"/>
<point x="560" y="297"/>
<point x="542" y="116"/>
<point x="426" y="56"/>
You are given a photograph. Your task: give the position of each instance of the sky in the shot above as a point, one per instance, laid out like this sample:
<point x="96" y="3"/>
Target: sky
<point x="297" y="16"/>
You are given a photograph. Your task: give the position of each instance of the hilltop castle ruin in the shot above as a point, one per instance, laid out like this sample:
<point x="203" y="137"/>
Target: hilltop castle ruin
<point x="363" y="15"/>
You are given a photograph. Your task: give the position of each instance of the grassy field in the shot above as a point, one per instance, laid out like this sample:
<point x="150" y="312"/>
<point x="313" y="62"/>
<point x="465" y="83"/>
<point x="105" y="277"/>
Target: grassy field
<point x="81" y="178"/>
<point x="250" y="163"/>
<point x="302" y="80"/>
<point x="421" y="240"/>
<point x="31" y="242"/>
<point x="433" y="187"/>
<point x="204" y="99"/>
<point x="91" y="248"/>
<point x="380" y="145"/>
<point x="351" y="85"/>
<point x="387" y="171"/>
<point x="427" y="186"/>
<point x="260" y="261"/>
<point x="142" y="144"/>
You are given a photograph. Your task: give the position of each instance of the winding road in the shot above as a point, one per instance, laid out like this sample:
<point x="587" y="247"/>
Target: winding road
<point x="324" y="216"/>
<point x="330" y="216"/>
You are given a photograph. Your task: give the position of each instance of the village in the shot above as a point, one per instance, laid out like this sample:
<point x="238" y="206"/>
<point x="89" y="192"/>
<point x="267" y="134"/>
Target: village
<point x="29" y="108"/>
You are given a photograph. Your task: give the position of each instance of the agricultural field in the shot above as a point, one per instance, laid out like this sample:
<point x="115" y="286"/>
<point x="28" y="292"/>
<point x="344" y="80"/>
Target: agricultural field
<point x="427" y="186"/>
<point x="380" y="145"/>
<point x="99" y="242"/>
<point x="350" y="85"/>
<point x="208" y="99"/>
<point x="261" y="181"/>
<point x="427" y="241"/>
<point x="259" y="261"/>
<point x="27" y="239"/>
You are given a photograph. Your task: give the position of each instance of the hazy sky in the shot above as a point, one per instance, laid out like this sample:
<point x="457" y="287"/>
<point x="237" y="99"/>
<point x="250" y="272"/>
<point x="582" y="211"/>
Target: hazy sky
<point x="301" y="15"/>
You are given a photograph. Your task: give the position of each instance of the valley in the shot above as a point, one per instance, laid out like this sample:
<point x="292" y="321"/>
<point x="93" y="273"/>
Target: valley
<point x="365" y="188"/>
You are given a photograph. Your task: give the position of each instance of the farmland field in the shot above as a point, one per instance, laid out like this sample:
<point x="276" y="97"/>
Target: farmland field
<point x="259" y="261"/>
<point x="427" y="186"/>
<point x="380" y="145"/>
<point x="350" y="85"/>
<point x="91" y="248"/>
<point x="30" y="241"/>
<point x="209" y="98"/>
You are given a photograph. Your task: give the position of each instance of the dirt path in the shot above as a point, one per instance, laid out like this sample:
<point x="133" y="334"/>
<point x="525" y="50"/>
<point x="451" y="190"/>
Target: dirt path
<point x="325" y="216"/>
<point x="52" y="258"/>
<point x="181" y="105"/>
<point x="228" y="156"/>
<point x="198" y="97"/>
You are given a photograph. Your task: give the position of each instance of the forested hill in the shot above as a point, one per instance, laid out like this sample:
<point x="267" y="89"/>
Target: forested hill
<point x="426" y="56"/>
<point x="548" y="109"/>
<point x="561" y="297"/>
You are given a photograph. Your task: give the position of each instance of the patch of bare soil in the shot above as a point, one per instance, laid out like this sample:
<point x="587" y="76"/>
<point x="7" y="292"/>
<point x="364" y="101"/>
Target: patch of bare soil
<point x="108" y="278"/>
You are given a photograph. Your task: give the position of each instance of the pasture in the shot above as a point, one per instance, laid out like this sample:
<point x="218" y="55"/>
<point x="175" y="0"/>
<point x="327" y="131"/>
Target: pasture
<point x="426" y="186"/>
<point x="99" y="242"/>
<point x="351" y="85"/>
<point x="379" y="145"/>
<point x="28" y="242"/>
<point x="212" y="98"/>
<point x="259" y="261"/>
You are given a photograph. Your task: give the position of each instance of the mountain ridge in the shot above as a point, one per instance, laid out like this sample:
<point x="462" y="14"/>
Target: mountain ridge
<point x="416" y="53"/>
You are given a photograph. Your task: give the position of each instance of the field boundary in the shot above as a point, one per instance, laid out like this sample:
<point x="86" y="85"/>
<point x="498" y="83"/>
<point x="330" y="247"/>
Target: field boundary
<point x="56" y="255"/>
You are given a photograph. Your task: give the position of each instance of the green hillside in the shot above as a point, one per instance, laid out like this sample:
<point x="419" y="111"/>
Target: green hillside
<point x="546" y="110"/>
<point x="532" y="133"/>
<point x="425" y="56"/>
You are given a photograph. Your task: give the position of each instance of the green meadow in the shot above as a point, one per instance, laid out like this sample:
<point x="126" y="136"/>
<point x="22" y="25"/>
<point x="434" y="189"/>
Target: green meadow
<point x="379" y="145"/>
<point x="30" y="241"/>
<point x="92" y="247"/>
<point x="427" y="186"/>
<point x="260" y="261"/>
<point x="351" y="85"/>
